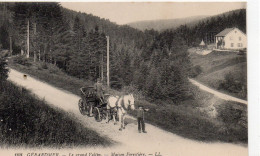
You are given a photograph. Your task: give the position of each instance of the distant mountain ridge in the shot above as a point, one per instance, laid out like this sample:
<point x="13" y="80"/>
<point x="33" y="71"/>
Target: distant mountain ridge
<point x="215" y="17"/>
<point x="164" y="24"/>
<point x="161" y="25"/>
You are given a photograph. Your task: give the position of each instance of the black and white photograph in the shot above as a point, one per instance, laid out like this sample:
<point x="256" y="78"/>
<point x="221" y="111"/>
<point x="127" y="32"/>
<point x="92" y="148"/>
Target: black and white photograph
<point x="124" y="78"/>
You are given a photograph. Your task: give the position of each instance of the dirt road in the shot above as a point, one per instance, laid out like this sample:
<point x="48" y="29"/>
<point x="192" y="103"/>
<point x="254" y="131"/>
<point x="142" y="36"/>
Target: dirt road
<point x="216" y="93"/>
<point x="156" y="140"/>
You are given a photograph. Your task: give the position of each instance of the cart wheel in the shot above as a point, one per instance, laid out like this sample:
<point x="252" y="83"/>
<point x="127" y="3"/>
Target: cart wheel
<point x="104" y="114"/>
<point x="97" y="114"/>
<point x="87" y="109"/>
<point x="81" y="107"/>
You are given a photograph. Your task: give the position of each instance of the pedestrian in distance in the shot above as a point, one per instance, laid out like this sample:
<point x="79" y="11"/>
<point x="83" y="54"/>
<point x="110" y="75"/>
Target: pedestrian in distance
<point x="140" y="118"/>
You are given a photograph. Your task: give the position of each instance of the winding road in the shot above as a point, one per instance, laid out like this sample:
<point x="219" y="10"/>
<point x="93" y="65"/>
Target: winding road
<point x="156" y="140"/>
<point x="216" y="93"/>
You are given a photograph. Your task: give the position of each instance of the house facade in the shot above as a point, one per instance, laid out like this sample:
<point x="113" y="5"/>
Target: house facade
<point x="231" y="38"/>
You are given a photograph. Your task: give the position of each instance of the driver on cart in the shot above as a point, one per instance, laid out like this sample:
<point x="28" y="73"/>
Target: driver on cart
<point x="98" y="86"/>
<point x="83" y="97"/>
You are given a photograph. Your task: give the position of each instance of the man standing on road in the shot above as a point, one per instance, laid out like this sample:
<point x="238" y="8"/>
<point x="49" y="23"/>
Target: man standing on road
<point x="98" y="86"/>
<point x="140" y="119"/>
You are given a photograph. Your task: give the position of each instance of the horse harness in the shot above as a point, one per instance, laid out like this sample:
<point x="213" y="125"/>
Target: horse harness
<point x="120" y="107"/>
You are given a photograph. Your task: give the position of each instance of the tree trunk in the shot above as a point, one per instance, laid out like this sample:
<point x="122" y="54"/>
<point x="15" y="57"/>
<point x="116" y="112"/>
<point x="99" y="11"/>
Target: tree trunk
<point x="44" y="54"/>
<point x="39" y="55"/>
<point x="28" y="40"/>
<point x="34" y="56"/>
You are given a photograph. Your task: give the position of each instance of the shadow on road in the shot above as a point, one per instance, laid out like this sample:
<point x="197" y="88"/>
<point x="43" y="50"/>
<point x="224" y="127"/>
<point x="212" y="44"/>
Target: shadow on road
<point x="130" y="121"/>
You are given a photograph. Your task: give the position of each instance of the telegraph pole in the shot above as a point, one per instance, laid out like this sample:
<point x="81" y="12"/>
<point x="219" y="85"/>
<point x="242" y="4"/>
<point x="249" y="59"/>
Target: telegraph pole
<point x="28" y="46"/>
<point x="108" y="83"/>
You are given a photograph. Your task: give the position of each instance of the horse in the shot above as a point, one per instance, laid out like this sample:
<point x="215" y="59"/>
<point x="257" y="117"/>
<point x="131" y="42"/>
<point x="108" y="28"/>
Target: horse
<point x="121" y="104"/>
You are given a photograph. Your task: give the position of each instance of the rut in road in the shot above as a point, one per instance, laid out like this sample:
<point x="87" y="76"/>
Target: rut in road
<point x="156" y="140"/>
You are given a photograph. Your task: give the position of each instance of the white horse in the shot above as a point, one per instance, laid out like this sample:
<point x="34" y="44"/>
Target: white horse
<point x="120" y="104"/>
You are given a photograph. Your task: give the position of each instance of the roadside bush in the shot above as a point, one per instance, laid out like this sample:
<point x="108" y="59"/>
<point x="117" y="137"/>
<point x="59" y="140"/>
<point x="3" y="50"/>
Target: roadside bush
<point x="4" y="53"/>
<point x="234" y="85"/>
<point x="44" y="65"/>
<point x="22" y="60"/>
<point x="3" y="69"/>
<point x="195" y="71"/>
<point x="234" y="116"/>
<point x="53" y="69"/>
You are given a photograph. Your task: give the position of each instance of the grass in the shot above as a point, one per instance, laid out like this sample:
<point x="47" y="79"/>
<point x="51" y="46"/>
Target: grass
<point x="192" y="118"/>
<point x="28" y="122"/>
<point x="51" y="74"/>
<point x="217" y="64"/>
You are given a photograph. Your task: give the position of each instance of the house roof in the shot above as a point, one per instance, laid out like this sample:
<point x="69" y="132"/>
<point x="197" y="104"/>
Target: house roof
<point x="225" y="32"/>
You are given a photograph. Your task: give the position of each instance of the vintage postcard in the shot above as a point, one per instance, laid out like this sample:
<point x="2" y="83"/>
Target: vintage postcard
<point x="123" y="78"/>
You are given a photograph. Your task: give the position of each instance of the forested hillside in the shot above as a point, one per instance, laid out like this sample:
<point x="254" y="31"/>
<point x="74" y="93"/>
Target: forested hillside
<point x="206" y="29"/>
<point x="155" y="63"/>
<point x="163" y="24"/>
<point x="76" y="43"/>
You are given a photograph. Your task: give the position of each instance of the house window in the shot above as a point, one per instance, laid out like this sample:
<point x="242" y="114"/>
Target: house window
<point x="232" y="44"/>
<point x="239" y="38"/>
<point x="239" y="45"/>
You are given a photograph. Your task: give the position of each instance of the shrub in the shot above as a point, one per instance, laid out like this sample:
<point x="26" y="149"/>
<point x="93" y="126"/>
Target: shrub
<point x="3" y="69"/>
<point x="44" y="65"/>
<point x="22" y="60"/>
<point x="195" y="71"/>
<point x="53" y="69"/>
<point x="234" y="116"/>
<point x="234" y="84"/>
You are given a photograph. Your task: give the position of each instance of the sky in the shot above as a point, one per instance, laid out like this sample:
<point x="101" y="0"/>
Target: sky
<point x="127" y="12"/>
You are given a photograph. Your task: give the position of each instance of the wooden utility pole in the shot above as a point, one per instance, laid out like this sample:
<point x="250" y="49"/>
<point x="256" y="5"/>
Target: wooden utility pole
<point x="28" y="46"/>
<point x="108" y="83"/>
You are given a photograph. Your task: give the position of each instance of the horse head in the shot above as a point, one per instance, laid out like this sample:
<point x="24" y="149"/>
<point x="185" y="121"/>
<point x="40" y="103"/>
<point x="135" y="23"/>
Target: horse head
<point x="130" y="101"/>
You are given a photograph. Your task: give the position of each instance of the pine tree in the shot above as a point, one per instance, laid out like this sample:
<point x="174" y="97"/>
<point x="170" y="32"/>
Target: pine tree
<point x="3" y="69"/>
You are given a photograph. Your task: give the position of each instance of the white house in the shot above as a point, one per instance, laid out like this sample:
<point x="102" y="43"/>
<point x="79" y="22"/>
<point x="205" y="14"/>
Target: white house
<point x="231" y="38"/>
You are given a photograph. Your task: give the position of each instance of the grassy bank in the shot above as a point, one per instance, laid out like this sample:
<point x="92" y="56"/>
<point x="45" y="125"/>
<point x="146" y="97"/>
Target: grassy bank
<point x="28" y="122"/>
<point x="193" y="118"/>
<point x="217" y="65"/>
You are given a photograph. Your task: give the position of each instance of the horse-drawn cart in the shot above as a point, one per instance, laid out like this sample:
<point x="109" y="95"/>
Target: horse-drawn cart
<point x="89" y="104"/>
<point x="115" y="109"/>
